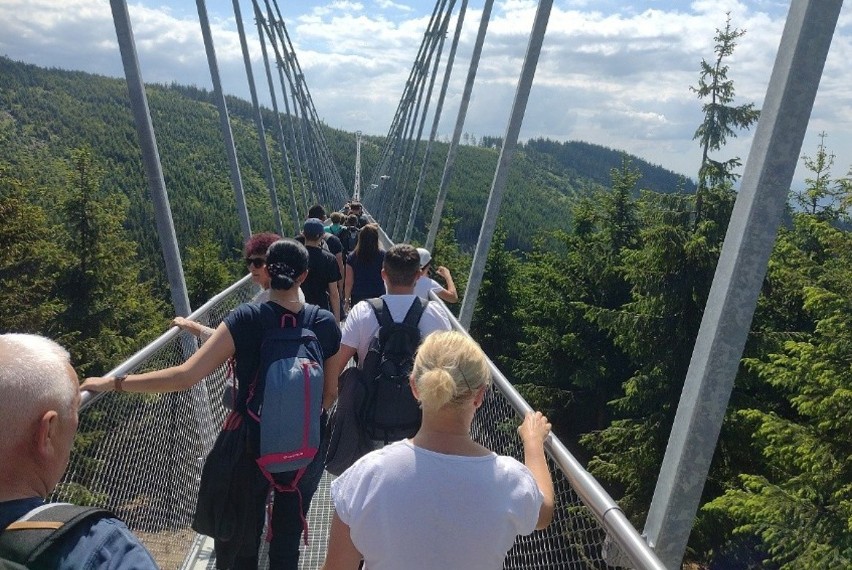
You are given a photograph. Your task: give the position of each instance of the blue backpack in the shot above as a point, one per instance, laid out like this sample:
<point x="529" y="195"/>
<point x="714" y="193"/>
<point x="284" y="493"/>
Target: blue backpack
<point x="285" y="398"/>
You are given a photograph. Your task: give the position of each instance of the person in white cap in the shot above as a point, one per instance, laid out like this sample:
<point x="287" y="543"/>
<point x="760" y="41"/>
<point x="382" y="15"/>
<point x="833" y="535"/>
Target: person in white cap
<point x="425" y="283"/>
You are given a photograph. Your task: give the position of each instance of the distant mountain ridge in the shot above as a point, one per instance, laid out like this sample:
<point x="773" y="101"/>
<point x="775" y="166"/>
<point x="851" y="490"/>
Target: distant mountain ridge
<point x="57" y="110"/>
<point x="595" y="162"/>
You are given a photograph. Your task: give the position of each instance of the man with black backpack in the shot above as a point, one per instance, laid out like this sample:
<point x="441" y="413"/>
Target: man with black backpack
<point x="385" y="333"/>
<point x="39" y="410"/>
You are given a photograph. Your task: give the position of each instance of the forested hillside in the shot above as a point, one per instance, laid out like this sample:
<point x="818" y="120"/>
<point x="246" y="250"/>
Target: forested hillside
<point x="595" y="162"/>
<point x="62" y="110"/>
<point x="593" y="294"/>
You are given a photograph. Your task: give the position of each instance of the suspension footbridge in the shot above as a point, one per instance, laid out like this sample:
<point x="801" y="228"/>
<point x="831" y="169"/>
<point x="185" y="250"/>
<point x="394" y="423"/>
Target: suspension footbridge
<point x="143" y="454"/>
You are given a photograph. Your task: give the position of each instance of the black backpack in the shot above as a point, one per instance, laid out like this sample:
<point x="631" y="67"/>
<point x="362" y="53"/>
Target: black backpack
<point x="389" y="410"/>
<point x="349" y="238"/>
<point x="28" y="540"/>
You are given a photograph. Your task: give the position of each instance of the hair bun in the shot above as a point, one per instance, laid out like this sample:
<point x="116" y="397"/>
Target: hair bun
<point x="280" y="270"/>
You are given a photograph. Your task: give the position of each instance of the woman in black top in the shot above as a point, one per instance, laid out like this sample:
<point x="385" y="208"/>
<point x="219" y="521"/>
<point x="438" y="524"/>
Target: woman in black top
<point x="240" y="335"/>
<point x="364" y="268"/>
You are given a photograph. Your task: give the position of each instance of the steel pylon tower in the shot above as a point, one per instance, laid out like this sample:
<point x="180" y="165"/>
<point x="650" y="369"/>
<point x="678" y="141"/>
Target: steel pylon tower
<point x="356" y="193"/>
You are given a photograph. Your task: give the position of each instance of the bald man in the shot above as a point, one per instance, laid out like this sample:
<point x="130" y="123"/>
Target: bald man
<point x="39" y="401"/>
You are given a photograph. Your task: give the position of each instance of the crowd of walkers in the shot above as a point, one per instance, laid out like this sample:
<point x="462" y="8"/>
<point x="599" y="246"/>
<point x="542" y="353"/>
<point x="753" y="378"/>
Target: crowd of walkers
<point x="341" y="355"/>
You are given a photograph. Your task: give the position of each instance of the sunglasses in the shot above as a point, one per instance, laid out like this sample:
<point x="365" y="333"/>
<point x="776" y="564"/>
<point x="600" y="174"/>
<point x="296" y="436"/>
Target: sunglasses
<point x="255" y="261"/>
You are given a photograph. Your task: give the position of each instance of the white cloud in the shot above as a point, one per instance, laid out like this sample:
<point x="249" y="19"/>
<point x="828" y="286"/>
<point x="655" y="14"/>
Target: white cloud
<point x="387" y="4"/>
<point x="611" y="72"/>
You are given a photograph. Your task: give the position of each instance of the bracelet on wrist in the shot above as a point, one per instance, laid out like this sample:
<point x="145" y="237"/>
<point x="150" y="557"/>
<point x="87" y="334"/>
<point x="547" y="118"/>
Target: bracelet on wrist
<point x="118" y="385"/>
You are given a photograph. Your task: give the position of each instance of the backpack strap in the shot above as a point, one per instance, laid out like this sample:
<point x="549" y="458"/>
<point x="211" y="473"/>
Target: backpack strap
<point x="415" y="311"/>
<point x="310" y="316"/>
<point x="412" y="317"/>
<point x="380" y="309"/>
<point x="29" y="537"/>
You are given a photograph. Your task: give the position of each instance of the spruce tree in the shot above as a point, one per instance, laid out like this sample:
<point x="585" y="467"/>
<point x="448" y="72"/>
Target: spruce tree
<point x="30" y="261"/>
<point x="494" y="323"/>
<point x="667" y="275"/>
<point x="799" y="503"/>
<point x="206" y="274"/>
<point x="109" y="311"/>
<point x="562" y="287"/>
<point x="823" y="197"/>
<point x="448" y="253"/>
<point x="721" y="116"/>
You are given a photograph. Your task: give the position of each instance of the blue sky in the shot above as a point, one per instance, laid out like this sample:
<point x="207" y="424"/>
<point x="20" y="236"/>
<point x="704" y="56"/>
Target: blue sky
<point x="612" y="72"/>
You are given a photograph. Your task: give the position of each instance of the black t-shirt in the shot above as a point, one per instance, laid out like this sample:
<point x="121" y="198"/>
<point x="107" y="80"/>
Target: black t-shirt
<point x="332" y="242"/>
<point x="348" y="238"/>
<point x="322" y="270"/>
<point x="247" y="322"/>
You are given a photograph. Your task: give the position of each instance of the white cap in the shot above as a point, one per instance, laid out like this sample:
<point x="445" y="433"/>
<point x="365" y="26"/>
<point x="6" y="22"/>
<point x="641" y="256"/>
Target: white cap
<point x="425" y="257"/>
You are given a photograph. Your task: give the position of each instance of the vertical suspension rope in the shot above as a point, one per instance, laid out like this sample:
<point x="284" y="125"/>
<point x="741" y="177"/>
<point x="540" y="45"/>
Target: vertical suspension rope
<point x="356" y="187"/>
<point x="437" y="119"/>
<point x="404" y="156"/>
<point x="261" y="33"/>
<point x="420" y="112"/>
<point x="224" y="122"/>
<point x="435" y="51"/>
<point x="258" y="118"/>
<point x="447" y="175"/>
<point x="150" y="157"/>
<point x="331" y="173"/>
<point x="739" y="276"/>
<point x="282" y="69"/>
<point x="398" y="128"/>
<point x="501" y="175"/>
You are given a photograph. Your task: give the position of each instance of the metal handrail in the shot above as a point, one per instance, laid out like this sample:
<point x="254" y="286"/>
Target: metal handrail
<point x="88" y="398"/>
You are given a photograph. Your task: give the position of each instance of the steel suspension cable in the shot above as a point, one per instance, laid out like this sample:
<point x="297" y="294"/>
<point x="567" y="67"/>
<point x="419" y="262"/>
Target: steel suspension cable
<point x="150" y="157"/>
<point x="296" y="121"/>
<point x="356" y="186"/>
<point x="291" y="121"/>
<point x="452" y="151"/>
<point x="501" y="175"/>
<point x="399" y="123"/>
<point x="335" y="180"/>
<point x="262" y="32"/>
<point x="258" y="119"/>
<point x="435" y="53"/>
<point x="224" y="122"/>
<point x="435" y="122"/>
<point x="406" y="157"/>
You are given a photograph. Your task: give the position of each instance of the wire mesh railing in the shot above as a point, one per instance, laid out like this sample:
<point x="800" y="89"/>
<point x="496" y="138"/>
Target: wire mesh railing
<point x="140" y="455"/>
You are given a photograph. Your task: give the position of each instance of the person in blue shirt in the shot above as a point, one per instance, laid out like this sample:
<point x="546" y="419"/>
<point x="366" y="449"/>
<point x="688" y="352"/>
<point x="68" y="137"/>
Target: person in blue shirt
<point x="241" y="335"/>
<point x="39" y="409"/>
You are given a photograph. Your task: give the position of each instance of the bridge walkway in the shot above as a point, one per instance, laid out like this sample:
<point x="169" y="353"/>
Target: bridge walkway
<point x="141" y="455"/>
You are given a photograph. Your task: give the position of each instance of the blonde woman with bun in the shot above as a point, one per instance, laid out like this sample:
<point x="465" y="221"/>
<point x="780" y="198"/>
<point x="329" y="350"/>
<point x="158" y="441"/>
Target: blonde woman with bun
<point x="439" y="499"/>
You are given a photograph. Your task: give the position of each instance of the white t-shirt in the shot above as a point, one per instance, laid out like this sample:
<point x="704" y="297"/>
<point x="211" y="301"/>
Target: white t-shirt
<point x="361" y="325"/>
<point x="424" y="285"/>
<point x="408" y="507"/>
